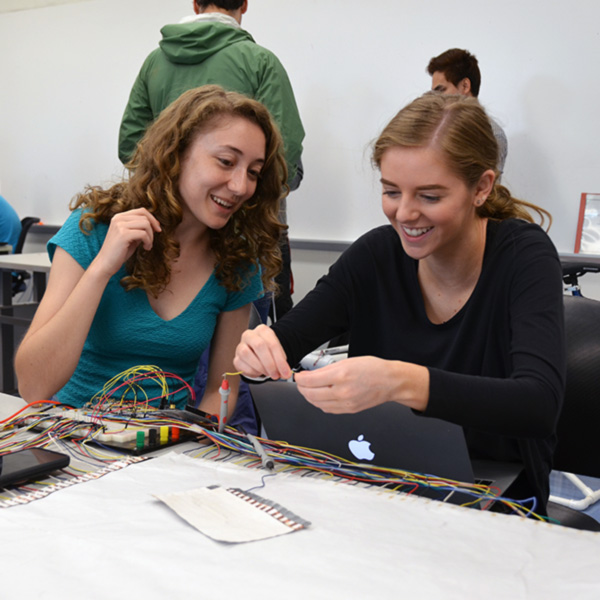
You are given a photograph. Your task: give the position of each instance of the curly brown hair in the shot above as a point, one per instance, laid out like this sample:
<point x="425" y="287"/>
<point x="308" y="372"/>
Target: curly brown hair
<point x="251" y="235"/>
<point x="461" y="129"/>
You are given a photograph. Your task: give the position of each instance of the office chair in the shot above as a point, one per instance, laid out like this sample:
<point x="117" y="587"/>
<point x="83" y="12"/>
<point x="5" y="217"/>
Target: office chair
<point x="26" y="223"/>
<point x="578" y="426"/>
<point x="19" y="278"/>
<point x="255" y="318"/>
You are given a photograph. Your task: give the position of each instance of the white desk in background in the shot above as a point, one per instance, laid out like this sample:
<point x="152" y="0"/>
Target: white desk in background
<point x="37" y="262"/>
<point x="12" y="315"/>
<point x="110" y="538"/>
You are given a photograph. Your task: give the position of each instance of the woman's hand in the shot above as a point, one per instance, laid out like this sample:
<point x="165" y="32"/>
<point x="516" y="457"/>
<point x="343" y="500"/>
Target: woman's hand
<point x="127" y="230"/>
<point x="358" y="383"/>
<point x="260" y="353"/>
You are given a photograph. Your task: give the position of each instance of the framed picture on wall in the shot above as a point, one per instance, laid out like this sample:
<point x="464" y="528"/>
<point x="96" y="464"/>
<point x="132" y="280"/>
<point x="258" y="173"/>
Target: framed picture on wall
<point x="588" y="225"/>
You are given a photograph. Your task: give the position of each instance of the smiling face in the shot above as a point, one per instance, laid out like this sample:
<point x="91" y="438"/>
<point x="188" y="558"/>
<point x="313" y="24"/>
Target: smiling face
<point x="220" y="171"/>
<point x="430" y="207"/>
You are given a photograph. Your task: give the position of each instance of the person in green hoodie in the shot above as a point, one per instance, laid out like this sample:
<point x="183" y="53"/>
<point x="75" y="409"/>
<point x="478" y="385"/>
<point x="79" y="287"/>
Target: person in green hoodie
<point x="211" y="47"/>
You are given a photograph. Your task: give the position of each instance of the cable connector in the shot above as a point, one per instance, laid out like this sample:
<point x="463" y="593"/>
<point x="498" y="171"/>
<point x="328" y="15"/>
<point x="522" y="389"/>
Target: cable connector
<point x="224" y="393"/>
<point x="265" y="459"/>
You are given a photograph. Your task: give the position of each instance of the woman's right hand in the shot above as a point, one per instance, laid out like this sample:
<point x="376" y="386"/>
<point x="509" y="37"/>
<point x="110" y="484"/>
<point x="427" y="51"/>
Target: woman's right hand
<point x="260" y="353"/>
<point x="127" y="230"/>
<point x="52" y="346"/>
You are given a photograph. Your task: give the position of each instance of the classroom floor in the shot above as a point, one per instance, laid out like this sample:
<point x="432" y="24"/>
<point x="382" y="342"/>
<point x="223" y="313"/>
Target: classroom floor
<point x="560" y="486"/>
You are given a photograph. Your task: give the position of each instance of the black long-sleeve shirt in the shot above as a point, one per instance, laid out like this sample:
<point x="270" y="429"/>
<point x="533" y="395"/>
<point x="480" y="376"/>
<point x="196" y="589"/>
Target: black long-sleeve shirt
<point x="497" y="367"/>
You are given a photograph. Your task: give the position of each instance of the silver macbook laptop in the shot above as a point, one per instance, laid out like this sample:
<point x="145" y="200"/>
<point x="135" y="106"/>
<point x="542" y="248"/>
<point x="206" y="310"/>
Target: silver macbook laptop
<point x="389" y="435"/>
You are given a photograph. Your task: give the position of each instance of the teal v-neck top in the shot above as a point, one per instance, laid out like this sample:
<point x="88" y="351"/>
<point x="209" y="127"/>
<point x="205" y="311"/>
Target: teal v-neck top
<point x="126" y="332"/>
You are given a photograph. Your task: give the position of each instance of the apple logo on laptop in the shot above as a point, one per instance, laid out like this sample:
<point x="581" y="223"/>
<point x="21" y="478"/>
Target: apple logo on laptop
<point x="361" y="448"/>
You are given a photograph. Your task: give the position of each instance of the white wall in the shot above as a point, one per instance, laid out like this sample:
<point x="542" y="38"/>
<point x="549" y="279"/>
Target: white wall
<point x="66" y="72"/>
<point x="65" y="77"/>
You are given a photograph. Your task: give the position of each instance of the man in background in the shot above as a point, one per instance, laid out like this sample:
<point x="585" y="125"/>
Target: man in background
<point x="456" y="71"/>
<point x="210" y="47"/>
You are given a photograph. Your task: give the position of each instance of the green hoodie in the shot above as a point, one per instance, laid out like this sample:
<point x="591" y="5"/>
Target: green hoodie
<point x="200" y="53"/>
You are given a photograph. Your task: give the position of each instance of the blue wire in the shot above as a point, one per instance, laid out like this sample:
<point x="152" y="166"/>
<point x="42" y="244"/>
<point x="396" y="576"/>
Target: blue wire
<point x="263" y="484"/>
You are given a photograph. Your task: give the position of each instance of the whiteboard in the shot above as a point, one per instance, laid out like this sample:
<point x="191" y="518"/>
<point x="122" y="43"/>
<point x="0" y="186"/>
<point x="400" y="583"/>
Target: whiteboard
<point x="67" y="70"/>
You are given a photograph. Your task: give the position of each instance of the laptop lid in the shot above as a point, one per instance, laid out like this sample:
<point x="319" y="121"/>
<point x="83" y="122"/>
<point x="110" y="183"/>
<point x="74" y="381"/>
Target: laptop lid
<point x="388" y="435"/>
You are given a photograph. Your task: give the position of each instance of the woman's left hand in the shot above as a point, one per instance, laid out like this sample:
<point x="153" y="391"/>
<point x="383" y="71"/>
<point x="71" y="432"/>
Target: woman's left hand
<point x="358" y="383"/>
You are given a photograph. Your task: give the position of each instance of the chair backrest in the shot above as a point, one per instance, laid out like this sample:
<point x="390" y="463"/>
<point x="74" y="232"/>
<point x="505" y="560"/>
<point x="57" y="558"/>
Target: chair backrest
<point x="26" y="224"/>
<point x="579" y="423"/>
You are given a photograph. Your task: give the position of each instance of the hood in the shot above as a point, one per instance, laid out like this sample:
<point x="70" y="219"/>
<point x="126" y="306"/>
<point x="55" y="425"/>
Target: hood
<point x="193" y="43"/>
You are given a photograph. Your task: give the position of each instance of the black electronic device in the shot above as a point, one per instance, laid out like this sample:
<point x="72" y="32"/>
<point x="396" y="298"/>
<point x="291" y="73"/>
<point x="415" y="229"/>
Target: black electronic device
<point x="25" y="465"/>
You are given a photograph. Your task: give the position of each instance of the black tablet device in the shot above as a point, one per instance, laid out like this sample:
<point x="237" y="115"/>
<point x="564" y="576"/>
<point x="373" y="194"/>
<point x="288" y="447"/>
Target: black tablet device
<point x="25" y="465"/>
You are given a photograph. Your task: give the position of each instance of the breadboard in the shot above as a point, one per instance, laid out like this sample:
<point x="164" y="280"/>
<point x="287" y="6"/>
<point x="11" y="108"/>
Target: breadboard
<point x="124" y="433"/>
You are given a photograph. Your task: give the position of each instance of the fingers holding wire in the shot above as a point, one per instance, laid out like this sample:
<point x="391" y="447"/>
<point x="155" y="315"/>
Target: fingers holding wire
<point x="260" y="353"/>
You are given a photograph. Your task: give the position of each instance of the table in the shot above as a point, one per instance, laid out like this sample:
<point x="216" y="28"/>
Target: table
<point x="111" y="538"/>
<point x="12" y="315"/>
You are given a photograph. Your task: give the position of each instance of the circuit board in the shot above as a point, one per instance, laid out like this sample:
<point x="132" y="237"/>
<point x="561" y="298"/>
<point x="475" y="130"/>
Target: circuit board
<point x="137" y="433"/>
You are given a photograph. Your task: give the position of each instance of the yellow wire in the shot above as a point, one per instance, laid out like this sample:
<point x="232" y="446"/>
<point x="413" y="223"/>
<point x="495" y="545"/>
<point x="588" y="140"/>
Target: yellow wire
<point x="126" y="377"/>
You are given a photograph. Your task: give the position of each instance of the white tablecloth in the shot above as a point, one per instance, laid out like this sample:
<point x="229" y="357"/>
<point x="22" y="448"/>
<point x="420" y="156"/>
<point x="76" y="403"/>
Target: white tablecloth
<point x="110" y="538"/>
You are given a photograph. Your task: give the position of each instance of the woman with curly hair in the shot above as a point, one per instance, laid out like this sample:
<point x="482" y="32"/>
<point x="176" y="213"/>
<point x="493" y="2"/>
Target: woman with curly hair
<point x="153" y="269"/>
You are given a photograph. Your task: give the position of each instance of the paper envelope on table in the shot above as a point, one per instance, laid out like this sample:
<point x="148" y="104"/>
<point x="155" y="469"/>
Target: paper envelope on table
<point x="232" y="515"/>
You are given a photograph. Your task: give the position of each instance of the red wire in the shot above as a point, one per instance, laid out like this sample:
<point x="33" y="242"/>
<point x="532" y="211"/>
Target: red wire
<point x="27" y="406"/>
<point x="142" y="377"/>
